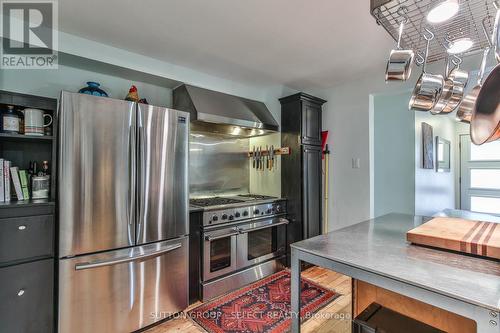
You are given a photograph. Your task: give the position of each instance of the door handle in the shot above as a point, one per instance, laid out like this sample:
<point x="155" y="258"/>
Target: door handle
<point x="102" y="263"/>
<point x="283" y="221"/>
<point x="141" y="181"/>
<point x="211" y="238"/>
<point x="132" y="174"/>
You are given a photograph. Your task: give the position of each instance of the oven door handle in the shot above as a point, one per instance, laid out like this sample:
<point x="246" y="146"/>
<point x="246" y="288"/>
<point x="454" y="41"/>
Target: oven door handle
<point x="283" y="221"/>
<point x="211" y="238"/>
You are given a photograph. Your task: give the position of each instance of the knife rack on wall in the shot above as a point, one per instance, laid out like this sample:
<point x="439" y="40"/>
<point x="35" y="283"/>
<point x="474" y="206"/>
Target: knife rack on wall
<point x="263" y="159"/>
<point x="277" y="151"/>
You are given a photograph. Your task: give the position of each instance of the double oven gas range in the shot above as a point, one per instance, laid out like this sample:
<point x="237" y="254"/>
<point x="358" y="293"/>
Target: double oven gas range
<point x="243" y="240"/>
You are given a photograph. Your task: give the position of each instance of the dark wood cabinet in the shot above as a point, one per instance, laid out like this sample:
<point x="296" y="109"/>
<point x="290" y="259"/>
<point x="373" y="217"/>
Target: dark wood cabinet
<point x="311" y="123"/>
<point x="301" y="171"/>
<point x="312" y="185"/>
<point x="25" y="238"/>
<point x="27" y="293"/>
<point x="27" y="230"/>
<point x="195" y="221"/>
<point x="301" y="117"/>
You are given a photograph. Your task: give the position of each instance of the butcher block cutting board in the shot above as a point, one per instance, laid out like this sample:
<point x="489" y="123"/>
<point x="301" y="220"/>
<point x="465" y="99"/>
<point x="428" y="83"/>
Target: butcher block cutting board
<point x="473" y="237"/>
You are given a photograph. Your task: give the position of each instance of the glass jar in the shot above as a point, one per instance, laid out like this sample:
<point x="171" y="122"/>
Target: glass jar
<point x="10" y="120"/>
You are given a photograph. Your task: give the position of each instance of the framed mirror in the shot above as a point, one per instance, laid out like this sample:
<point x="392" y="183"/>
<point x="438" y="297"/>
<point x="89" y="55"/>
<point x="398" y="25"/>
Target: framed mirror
<point x="443" y="148"/>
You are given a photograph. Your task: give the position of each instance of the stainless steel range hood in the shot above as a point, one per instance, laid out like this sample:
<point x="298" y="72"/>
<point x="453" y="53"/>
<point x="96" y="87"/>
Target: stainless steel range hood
<point x="221" y="113"/>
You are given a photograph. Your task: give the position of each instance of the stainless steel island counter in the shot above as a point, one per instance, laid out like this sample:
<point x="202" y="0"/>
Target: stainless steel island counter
<point x="376" y="252"/>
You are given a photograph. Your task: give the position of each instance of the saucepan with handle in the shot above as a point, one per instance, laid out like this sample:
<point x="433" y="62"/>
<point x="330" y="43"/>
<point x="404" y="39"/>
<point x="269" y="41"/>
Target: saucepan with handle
<point x="485" y="121"/>
<point x="400" y="61"/>
<point x="453" y="89"/>
<point x="429" y="86"/>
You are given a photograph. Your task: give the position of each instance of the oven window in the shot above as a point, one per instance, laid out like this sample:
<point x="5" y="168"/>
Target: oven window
<point x="220" y="254"/>
<point x="262" y="242"/>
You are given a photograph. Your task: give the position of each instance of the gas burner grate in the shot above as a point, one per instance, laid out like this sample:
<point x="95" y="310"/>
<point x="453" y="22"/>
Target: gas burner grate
<point x="214" y="201"/>
<point x="256" y="196"/>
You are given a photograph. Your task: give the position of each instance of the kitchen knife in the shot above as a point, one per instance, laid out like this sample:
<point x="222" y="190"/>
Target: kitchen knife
<point x="267" y="157"/>
<point x="253" y="157"/>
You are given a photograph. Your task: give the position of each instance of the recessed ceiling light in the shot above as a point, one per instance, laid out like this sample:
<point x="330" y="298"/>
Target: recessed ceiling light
<point x="443" y="11"/>
<point x="460" y="45"/>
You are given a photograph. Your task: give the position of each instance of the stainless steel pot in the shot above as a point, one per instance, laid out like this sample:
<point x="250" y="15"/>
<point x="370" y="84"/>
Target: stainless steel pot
<point x="400" y="61"/>
<point x="428" y="87"/>
<point x="453" y="89"/>
<point x="466" y="108"/>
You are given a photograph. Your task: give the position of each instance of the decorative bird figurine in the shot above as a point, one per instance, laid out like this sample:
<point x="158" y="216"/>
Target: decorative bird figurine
<point x="132" y="95"/>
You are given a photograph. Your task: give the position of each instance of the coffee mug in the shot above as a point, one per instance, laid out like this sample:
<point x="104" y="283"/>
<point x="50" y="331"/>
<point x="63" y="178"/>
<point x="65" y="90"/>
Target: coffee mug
<point x="34" y="121"/>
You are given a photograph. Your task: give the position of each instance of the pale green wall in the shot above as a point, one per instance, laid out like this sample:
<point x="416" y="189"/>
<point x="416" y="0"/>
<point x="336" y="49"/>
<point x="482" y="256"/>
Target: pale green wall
<point x="82" y="60"/>
<point x="49" y="83"/>
<point x="394" y="154"/>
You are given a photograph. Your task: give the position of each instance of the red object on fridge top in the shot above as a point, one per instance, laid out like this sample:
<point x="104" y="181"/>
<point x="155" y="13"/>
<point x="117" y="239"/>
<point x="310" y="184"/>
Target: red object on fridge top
<point x="324" y="138"/>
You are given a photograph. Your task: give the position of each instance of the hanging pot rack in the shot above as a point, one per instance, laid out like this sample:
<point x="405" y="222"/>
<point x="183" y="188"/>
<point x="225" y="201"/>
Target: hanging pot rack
<point x="467" y="23"/>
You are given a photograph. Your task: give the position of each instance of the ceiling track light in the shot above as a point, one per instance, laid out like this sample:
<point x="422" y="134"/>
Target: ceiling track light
<point x="460" y="45"/>
<point x="443" y="11"/>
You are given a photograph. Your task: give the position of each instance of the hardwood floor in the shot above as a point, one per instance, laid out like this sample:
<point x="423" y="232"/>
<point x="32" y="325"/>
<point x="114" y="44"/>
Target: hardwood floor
<point x="334" y="317"/>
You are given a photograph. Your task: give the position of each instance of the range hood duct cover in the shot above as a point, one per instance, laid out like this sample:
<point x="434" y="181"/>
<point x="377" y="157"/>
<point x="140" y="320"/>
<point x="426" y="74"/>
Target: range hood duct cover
<point x="217" y="112"/>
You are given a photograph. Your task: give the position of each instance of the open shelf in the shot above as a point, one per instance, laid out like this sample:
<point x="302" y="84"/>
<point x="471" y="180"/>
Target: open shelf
<point x="22" y="137"/>
<point x="26" y="203"/>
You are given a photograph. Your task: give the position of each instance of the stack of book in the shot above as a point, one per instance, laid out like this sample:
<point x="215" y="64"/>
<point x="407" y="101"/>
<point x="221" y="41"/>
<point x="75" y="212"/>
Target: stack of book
<point x="13" y="182"/>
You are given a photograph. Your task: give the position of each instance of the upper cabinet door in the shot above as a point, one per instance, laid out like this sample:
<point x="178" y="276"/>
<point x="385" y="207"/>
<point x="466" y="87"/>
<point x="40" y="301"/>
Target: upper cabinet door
<point x="311" y="123"/>
<point x="163" y="139"/>
<point x="96" y="158"/>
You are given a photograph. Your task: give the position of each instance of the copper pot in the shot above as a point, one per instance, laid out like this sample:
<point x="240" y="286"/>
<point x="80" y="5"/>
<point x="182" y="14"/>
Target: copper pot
<point x="485" y="121"/>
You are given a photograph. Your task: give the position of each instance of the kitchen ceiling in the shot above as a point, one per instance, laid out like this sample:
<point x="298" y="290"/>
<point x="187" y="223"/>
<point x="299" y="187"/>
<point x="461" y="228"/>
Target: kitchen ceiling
<point x="302" y="44"/>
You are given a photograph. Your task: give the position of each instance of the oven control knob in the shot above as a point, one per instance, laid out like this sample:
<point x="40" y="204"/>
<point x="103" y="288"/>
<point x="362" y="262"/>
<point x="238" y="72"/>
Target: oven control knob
<point x="215" y="218"/>
<point x="231" y="217"/>
<point x="268" y="211"/>
<point x="256" y="211"/>
<point x="245" y="213"/>
<point x="224" y="216"/>
<point x="278" y="208"/>
<point x="237" y="214"/>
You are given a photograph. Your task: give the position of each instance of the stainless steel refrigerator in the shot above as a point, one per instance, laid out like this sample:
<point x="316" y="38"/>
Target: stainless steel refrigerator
<point x="123" y="214"/>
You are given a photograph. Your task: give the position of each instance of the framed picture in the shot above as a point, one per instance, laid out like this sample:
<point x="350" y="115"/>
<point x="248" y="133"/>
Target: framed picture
<point x="443" y="148"/>
<point x="427" y="147"/>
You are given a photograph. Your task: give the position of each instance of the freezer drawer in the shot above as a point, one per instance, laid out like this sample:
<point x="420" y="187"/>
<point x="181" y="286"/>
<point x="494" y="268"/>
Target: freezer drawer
<point x="123" y="290"/>
<point x="27" y="294"/>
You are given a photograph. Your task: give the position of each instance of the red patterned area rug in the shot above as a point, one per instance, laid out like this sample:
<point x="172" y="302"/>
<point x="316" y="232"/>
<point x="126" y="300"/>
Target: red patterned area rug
<point x="261" y="307"/>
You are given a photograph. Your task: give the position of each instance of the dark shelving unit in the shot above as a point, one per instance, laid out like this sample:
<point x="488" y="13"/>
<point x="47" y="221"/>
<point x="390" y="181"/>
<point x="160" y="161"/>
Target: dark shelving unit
<point x="23" y="138"/>
<point x="28" y="229"/>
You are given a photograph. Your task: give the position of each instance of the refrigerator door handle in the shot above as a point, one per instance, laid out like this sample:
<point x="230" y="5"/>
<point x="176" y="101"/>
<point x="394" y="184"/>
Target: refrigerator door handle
<point x="102" y="263"/>
<point x="133" y="176"/>
<point x="142" y="181"/>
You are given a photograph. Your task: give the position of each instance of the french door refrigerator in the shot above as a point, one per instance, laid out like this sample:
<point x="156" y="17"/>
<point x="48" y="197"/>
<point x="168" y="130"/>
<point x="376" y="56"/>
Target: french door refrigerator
<point x="123" y="214"/>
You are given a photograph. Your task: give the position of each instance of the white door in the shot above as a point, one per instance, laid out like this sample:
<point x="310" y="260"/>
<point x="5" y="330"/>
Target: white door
<point x="480" y="176"/>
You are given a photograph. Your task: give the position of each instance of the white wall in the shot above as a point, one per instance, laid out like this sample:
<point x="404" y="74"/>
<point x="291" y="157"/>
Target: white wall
<point x="434" y="191"/>
<point x="394" y="154"/>
<point x="346" y="115"/>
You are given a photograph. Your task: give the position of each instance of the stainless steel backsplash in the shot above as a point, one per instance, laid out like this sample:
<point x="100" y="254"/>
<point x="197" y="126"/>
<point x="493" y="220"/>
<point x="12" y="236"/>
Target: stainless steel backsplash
<point x="217" y="165"/>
